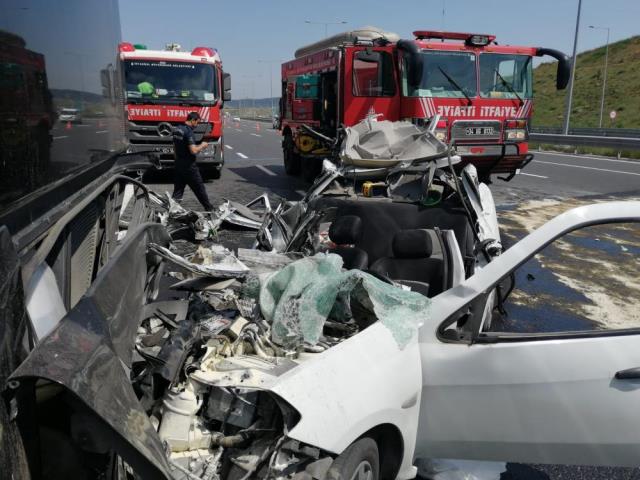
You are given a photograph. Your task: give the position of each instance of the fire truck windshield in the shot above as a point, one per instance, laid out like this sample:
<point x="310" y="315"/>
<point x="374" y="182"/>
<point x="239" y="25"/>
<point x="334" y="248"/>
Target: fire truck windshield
<point x="445" y="74"/>
<point x="505" y="76"/>
<point x="159" y="81"/>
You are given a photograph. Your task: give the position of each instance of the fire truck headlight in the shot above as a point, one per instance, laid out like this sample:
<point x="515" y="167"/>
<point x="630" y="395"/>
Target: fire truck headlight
<point x="517" y="135"/>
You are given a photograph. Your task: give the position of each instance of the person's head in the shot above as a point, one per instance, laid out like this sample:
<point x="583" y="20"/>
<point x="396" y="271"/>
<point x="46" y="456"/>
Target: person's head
<point x="193" y="118"/>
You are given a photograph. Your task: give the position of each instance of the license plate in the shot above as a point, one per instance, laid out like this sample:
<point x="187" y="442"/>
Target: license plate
<point x="164" y="149"/>
<point x="479" y="131"/>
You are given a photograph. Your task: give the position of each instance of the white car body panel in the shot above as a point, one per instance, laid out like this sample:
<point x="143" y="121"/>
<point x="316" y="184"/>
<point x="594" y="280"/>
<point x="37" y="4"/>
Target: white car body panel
<point x="359" y="384"/>
<point x="552" y="401"/>
<point x="546" y="401"/>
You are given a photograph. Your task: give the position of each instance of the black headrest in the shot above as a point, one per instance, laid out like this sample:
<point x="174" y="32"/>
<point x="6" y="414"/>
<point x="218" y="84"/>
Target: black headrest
<point x="412" y="244"/>
<point x="346" y="230"/>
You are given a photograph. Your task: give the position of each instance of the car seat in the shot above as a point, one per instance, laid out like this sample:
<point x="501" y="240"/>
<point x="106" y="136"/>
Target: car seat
<point x="412" y="263"/>
<point x="345" y="232"/>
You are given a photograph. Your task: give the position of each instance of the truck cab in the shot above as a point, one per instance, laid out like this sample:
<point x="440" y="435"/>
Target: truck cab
<point x="481" y="91"/>
<point x="161" y="87"/>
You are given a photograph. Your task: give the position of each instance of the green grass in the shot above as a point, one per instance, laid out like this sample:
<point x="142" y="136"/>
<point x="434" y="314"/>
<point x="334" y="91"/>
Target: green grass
<point x="622" y="95"/>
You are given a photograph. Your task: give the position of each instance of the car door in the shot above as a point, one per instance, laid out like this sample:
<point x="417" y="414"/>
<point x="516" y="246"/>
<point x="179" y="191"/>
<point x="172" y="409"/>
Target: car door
<point x="567" y="397"/>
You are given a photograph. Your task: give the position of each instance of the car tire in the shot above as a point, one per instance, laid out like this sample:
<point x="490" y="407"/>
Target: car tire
<point x="291" y="159"/>
<point x="360" y="461"/>
<point x="311" y="168"/>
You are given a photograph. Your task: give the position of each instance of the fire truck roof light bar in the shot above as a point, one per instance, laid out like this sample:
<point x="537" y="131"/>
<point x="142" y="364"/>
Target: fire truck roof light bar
<point x="475" y="39"/>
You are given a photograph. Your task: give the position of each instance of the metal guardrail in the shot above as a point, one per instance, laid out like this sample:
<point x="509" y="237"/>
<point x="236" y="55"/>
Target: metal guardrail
<point x="617" y="143"/>
<point x="592" y="132"/>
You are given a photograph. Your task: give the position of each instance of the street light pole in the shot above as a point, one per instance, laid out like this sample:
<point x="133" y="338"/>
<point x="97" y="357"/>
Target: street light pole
<point x="606" y="63"/>
<point x="567" y="113"/>
<point x="326" y="24"/>
<point x="270" y="63"/>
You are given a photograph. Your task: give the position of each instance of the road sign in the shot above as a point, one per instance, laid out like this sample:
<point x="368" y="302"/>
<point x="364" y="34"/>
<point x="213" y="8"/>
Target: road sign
<point x="612" y="114"/>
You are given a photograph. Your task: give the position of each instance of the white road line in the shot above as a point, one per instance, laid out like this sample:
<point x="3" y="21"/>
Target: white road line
<point x="228" y="147"/>
<point x="588" y="168"/>
<point x="241" y="155"/>
<point x="63" y="136"/>
<point x="267" y="171"/>
<point x="238" y="130"/>
<point x="83" y="126"/>
<point x="256" y="135"/>
<point x="102" y="131"/>
<point x="588" y="157"/>
<point x="532" y="175"/>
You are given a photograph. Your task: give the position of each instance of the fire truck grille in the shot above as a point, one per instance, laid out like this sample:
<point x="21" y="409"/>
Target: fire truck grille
<point x="157" y="133"/>
<point x="476" y="130"/>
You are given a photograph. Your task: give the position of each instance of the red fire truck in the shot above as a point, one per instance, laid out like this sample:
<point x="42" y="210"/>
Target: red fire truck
<point x="161" y="87"/>
<point x="481" y="91"/>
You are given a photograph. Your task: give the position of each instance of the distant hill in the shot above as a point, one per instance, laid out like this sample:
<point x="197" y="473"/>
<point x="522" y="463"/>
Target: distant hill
<point x="622" y="95"/>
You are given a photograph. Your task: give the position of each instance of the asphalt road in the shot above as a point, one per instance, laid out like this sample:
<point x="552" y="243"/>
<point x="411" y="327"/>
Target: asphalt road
<point x="551" y="183"/>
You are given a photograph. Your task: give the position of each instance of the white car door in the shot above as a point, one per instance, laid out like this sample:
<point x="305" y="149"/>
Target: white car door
<point x="570" y="398"/>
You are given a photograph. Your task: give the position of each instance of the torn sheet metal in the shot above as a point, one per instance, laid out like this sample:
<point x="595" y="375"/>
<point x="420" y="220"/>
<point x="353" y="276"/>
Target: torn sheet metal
<point x="375" y="144"/>
<point x="262" y="262"/>
<point x="221" y="264"/>
<point x="298" y="299"/>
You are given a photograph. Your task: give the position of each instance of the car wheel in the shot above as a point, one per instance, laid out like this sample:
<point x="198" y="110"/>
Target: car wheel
<point x="360" y="461"/>
<point x="291" y="159"/>
<point x="311" y="168"/>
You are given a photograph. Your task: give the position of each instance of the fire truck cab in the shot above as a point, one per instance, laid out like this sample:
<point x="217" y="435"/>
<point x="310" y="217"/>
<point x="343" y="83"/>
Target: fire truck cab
<point x="481" y="91"/>
<point x="161" y="87"/>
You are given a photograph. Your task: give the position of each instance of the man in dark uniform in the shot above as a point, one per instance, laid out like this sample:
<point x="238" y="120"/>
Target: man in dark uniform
<point x="187" y="172"/>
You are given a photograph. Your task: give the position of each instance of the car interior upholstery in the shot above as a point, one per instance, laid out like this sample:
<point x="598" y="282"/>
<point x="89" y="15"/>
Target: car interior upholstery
<point x="370" y="228"/>
<point x="345" y="232"/>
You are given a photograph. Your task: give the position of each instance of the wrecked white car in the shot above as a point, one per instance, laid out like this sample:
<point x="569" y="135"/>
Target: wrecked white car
<point x="284" y="364"/>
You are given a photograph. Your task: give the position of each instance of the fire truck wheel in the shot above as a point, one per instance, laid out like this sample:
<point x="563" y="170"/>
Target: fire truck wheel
<point x="291" y="159"/>
<point x="211" y="173"/>
<point x="311" y="168"/>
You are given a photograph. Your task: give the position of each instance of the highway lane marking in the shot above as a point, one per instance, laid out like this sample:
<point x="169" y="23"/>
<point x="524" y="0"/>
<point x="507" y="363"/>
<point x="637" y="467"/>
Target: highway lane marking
<point x="267" y="171"/>
<point x="229" y="147"/>
<point x="588" y="157"/>
<point x="63" y="136"/>
<point x="256" y="135"/>
<point x="588" y="168"/>
<point x="85" y="126"/>
<point x="532" y="175"/>
<point x="102" y="131"/>
<point x="241" y="155"/>
<point x="238" y="130"/>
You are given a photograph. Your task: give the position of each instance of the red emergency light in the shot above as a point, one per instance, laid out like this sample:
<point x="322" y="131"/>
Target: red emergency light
<point x="126" y="47"/>
<point x="203" y="52"/>
<point x="474" y="39"/>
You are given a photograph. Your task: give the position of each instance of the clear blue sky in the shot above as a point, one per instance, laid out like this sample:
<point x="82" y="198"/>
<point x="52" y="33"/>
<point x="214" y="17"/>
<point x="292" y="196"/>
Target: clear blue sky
<point x="245" y="31"/>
